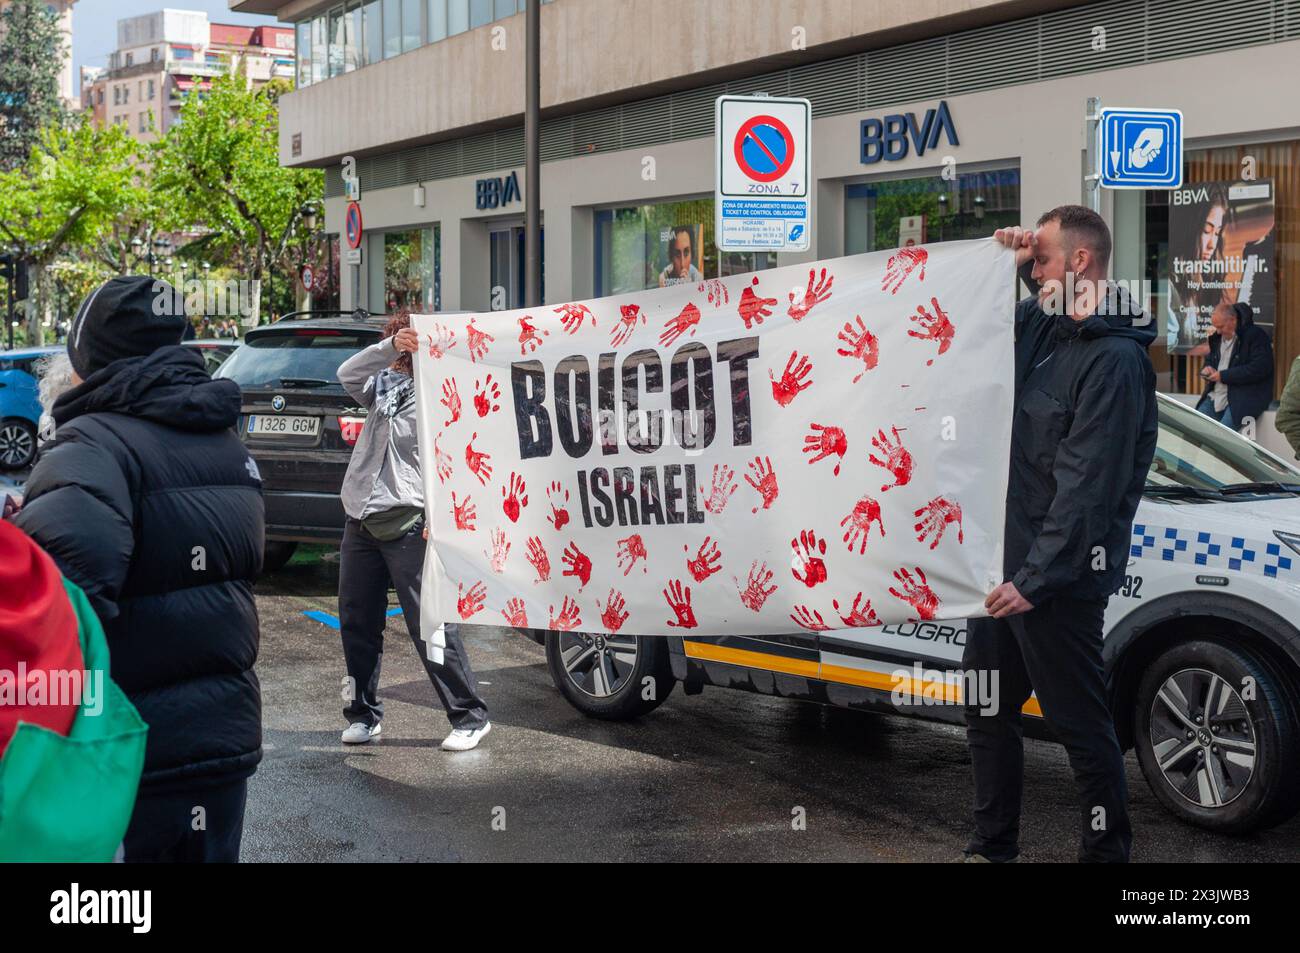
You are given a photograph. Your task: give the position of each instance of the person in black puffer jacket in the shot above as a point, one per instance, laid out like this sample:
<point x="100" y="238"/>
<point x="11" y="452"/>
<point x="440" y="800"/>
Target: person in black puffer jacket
<point x="148" y="501"/>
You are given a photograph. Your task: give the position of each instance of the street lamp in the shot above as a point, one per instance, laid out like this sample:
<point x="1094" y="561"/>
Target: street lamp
<point x="308" y="213"/>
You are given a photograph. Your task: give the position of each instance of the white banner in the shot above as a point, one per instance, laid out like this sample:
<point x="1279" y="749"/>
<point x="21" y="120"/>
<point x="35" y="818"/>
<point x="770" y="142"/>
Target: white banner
<point x="815" y="446"/>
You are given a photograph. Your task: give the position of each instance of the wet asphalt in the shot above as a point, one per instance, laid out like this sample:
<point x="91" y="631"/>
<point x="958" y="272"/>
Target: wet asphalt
<point x="720" y="776"/>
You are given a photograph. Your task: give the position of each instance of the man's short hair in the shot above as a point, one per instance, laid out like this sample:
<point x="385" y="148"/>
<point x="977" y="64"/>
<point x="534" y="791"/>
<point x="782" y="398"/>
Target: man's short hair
<point x="1082" y="228"/>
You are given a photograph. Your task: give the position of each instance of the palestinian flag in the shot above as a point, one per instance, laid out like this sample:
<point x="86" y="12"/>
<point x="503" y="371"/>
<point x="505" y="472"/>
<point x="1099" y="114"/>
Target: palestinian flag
<point x="71" y="744"/>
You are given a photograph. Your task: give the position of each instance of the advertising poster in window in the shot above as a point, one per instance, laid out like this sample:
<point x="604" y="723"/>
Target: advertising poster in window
<point x="1221" y="251"/>
<point x="678" y="255"/>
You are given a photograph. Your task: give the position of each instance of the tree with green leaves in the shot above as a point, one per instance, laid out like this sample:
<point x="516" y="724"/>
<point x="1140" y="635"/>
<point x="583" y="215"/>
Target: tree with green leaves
<point x="78" y="179"/>
<point x="219" y="169"/>
<point x="32" y="54"/>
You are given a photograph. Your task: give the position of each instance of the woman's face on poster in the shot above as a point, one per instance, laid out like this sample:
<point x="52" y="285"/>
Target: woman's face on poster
<point x="680" y="252"/>
<point x="1211" y="230"/>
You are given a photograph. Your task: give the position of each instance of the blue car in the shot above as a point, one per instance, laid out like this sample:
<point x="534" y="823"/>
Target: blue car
<point x="20" y="408"/>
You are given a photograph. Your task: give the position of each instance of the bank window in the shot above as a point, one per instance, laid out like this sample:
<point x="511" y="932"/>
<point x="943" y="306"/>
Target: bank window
<point x="336" y="41"/>
<point x="886" y="214"/>
<point x="352" y="38"/>
<point x="372" y="35"/>
<point x="480" y="13"/>
<point x="413" y="270"/>
<point x="668" y="243"/>
<point x="507" y="8"/>
<point x="411" y="35"/>
<point x="319" y="48"/>
<point x="392" y="26"/>
<point x="437" y="20"/>
<point x="457" y="16"/>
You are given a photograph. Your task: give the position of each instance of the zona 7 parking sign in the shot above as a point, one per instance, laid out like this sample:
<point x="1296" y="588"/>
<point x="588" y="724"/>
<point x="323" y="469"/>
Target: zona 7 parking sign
<point x="763" y="170"/>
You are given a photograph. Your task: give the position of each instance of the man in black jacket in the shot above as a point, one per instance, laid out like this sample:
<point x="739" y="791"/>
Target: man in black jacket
<point x="148" y="501"/>
<point x="1238" y="368"/>
<point x="1082" y="439"/>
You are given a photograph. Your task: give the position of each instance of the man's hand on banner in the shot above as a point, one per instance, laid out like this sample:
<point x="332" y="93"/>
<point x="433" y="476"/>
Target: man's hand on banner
<point x="755" y="592"/>
<point x="862" y="346"/>
<point x="1022" y="240"/>
<point x="818" y="290"/>
<point x="792" y="382"/>
<point x="763" y="479"/>
<point x="918" y="595"/>
<point x="807" y="564"/>
<point x="679" y="600"/>
<point x="1006" y="600"/>
<point x="896" y="459"/>
<point x="863" y="617"/>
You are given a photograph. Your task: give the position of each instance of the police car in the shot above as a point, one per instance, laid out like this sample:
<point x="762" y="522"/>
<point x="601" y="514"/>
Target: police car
<point x="1202" y="647"/>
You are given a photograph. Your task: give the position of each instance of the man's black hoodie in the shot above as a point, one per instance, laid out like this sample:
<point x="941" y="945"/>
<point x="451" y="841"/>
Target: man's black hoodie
<point x="1082" y="439"/>
<point x="147" y="500"/>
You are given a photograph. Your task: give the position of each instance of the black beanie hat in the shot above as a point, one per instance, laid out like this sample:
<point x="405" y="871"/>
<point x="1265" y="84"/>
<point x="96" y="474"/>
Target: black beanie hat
<point x="127" y="316"/>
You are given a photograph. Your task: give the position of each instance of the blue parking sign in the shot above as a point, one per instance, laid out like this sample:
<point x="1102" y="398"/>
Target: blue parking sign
<point x="1141" y="148"/>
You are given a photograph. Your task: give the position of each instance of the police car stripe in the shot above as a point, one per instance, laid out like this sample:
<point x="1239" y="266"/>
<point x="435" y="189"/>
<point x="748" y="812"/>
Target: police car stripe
<point x="1213" y="551"/>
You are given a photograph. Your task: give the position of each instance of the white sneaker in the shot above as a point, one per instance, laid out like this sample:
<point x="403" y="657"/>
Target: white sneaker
<point x="358" y="733"/>
<point x="463" y="739"/>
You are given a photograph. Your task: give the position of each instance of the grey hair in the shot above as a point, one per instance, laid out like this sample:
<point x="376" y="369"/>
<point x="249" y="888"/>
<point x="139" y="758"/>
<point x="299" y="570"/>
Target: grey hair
<point x="54" y="376"/>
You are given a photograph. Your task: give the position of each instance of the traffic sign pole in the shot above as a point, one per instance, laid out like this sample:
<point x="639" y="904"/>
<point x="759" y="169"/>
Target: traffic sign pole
<point x="1092" y="174"/>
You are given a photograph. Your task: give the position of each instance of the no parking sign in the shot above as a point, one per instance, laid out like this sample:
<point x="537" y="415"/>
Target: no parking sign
<point x="764" y="167"/>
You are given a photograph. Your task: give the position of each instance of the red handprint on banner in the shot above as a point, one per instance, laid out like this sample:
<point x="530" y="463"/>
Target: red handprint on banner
<point x="468" y="603"/>
<point x="516" y="499"/>
<point x="558" y="497"/>
<point x="679" y="600"/>
<point x="862" y="346"/>
<point x="707" y="560"/>
<point x="807" y="564"/>
<point x="529" y="340"/>
<point x="450" y="400"/>
<point x="865" y="512"/>
<point x="752" y="308"/>
<point x="901" y="265"/>
<point x="477" y="341"/>
<point x="934" y="519"/>
<point x="825" y="441"/>
<point x="918" y="595"/>
<point x="500" y="550"/>
<point x="537" y="558"/>
<point x="441" y="340"/>
<point x="630" y="550"/>
<point x="716" y="290"/>
<point x="792" y="382"/>
<point x="441" y="460"/>
<point x="934" y="327"/>
<point x="568" y="618"/>
<point x="763" y="480"/>
<point x="755" y="592"/>
<point x="809" y="619"/>
<point x="578" y="563"/>
<point x="674" y="328"/>
<point x="815" y="294"/>
<point x="463" y="513"/>
<point x="572" y="315"/>
<point x="612" y="616"/>
<point x="486" y="396"/>
<point x="478" y="462"/>
<point x="862" y="617"/>
<point x="894" y="457"/>
<point x="627" y="318"/>
<point x="715" y="501"/>
<point x="515" y="613"/>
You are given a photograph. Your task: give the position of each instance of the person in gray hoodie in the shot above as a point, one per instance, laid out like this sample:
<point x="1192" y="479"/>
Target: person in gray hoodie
<point x="383" y="544"/>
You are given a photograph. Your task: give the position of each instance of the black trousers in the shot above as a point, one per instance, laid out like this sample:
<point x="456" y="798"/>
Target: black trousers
<point x="367" y="566"/>
<point x="1053" y="650"/>
<point x="163" y="826"/>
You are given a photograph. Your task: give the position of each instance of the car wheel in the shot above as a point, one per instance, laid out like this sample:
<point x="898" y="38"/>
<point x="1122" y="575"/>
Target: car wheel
<point x="604" y="675"/>
<point x="17" y="443"/>
<point x="276" y="554"/>
<point x="1217" y="738"/>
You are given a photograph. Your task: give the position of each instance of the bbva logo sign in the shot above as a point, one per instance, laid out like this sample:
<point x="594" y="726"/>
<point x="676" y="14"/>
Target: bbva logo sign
<point x="494" y="193"/>
<point x="888" y="138"/>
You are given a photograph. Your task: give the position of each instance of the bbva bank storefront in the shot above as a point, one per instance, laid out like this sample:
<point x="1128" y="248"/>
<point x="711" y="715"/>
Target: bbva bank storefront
<point x="934" y="169"/>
